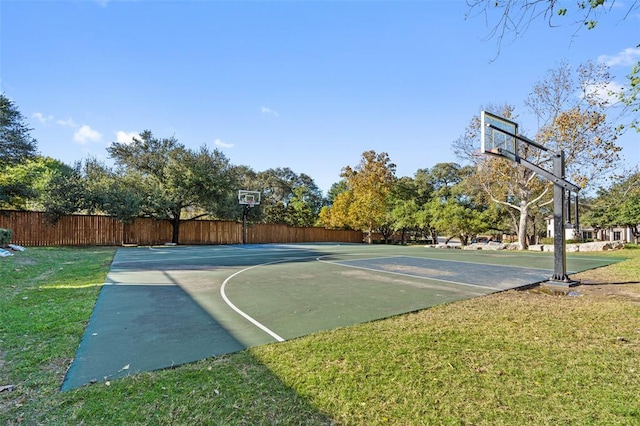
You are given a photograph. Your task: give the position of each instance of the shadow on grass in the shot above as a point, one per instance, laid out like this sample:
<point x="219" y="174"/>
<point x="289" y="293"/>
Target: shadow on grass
<point x="608" y="282"/>
<point x="227" y="389"/>
<point x="233" y="389"/>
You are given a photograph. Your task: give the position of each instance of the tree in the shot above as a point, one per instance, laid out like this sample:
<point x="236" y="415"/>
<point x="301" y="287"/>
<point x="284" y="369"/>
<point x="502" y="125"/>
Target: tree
<point x="16" y="144"/>
<point x="337" y="215"/>
<point x="66" y="194"/>
<point x="302" y="209"/>
<point x="630" y="96"/>
<point x="16" y="147"/>
<point x="335" y="190"/>
<point x="369" y="185"/>
<point x="513" y="17"/>
<point x="179" y="184"/>
<point x="288" y="198"/>
<point x="23" y="185"/>
<point x="618" y="205"/>
<point x="456" y="208"/>
<point x="403" y="216"/>
<point x="575" y="125"/>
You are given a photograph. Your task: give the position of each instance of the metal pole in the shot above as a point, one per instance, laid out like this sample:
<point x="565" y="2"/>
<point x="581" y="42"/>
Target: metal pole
<point x="245" y="210"/>
<point x="559" y="255"/>
<point x="568" y="202"/>
<point x="577" y="223"/>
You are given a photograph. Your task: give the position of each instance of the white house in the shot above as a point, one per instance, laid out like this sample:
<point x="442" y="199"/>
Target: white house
<point x="615" y="233"/>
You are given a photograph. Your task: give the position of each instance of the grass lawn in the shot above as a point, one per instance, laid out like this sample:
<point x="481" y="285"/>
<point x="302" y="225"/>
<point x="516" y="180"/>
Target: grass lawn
<point x="510" y="358"/>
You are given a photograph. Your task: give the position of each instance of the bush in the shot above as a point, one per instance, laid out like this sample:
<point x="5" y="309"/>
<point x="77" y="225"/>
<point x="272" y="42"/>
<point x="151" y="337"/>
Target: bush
<point x="632" y="246"/>
<point x="5" y="236"/>
<point x="549" y="241"/>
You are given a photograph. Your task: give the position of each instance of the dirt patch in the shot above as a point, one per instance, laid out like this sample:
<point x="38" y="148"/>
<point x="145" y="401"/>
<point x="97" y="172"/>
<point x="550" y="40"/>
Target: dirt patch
<point x="601" y="283"/>
<point x="595" y="284"/>
<point x="629" y="291"/>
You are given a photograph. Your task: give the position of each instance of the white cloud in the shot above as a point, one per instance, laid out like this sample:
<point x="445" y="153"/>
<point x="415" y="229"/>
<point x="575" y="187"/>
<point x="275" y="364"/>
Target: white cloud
<point x="628" y="57"/>
<point x="86" y="134"/>
<point x="269" y="111"/>
<point x="126" y="137"/>
<point x="42" y="118"/>
<point x="221" y="144"/>
<point x="67" y="123"/>
<point x="609" y="93"/>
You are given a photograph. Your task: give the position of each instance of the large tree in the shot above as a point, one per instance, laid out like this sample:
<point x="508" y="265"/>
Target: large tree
<point x="23" y="185"/>
<point x="288" y="197"/>
<point x="180" y="184"/>
<point x="512" y="18"/>
<point x="365" y="204"/>
<point x="16" y="147"/>
<point x="16" y="144"/>
<point x="617" y="205"/>
<point x="456" y="209"/>
<point x="576" y="125"/>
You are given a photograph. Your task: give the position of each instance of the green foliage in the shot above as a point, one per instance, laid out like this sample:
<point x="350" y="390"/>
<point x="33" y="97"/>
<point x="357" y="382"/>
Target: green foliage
<point x="506" y="358"/>
<point x="370" y="184"/>
<point x="617" y="205"/>
<point x="287" y="197"/>
<point x="25" y="184"/>
<point x="630" y="96"/>
<point x="66" y="194"/>
<point x="5" y="236"/>
<point x="161" y="178"/>
<point x="16" y="145"/>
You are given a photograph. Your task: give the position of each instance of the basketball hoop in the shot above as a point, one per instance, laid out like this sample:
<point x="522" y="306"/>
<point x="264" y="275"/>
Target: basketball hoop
<point x="247" y="199"/>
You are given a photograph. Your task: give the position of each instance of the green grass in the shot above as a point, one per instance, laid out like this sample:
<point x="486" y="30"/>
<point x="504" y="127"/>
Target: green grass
<point x="509" y="358"/>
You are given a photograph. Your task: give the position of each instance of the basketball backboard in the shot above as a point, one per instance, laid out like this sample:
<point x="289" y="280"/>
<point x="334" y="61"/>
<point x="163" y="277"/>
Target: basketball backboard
<point x="498" y="134"/>
<point x="248" y="198"/>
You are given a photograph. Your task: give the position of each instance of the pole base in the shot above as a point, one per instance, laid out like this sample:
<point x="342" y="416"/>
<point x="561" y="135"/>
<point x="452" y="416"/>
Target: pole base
<point x="563" y="282"/>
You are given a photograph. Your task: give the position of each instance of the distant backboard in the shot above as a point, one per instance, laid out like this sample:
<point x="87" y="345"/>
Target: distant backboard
<point x="494" y="140"/>
<point x="248" y="198"/>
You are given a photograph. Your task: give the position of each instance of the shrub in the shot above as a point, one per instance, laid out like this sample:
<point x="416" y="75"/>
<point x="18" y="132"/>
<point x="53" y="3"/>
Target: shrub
<point x="5" y="236"/>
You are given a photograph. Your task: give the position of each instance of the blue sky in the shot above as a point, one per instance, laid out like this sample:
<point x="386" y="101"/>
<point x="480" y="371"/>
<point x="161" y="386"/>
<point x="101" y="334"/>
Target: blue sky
<point x="308" y="85"/>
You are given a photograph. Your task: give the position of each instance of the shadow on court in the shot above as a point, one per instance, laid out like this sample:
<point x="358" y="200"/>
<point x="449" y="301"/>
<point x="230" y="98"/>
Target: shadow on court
<point x="145" y="328"/>
<point x="169" y="306"/>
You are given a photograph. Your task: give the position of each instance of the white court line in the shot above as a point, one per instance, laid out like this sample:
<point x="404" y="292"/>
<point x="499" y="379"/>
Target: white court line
<point x="242" y="313"/>
<point x="319" y="259"/>
<point x="480" y="263"/>
<point x="175" y="259"/>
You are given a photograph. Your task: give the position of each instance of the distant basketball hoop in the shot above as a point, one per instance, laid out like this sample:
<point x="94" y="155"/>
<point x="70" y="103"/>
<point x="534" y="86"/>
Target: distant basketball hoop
<point x="247" y="199"/>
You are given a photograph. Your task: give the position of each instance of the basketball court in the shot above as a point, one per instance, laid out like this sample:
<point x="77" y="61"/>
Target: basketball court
<point x="165" y="306"/>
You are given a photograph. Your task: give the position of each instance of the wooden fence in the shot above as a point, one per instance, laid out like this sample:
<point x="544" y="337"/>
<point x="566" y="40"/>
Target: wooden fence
<point x="31" y="229"/>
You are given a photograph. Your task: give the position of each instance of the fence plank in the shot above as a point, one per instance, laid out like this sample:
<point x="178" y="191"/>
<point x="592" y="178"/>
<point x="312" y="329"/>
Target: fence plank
<point x="31" y="229"/>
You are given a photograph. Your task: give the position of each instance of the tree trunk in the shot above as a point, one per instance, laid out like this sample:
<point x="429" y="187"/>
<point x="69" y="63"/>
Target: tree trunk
<point x="175" y="224"/>
<point x="522" y="226"/>
<point x="434" y="235"/>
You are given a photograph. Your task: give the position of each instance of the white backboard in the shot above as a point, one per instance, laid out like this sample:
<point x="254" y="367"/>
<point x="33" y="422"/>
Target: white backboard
<point x="492" y="139"/>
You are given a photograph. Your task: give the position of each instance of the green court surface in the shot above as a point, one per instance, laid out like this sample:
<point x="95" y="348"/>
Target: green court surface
<point x="165" y="306"/>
